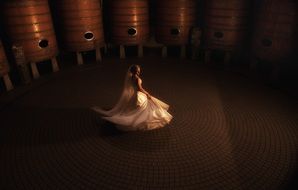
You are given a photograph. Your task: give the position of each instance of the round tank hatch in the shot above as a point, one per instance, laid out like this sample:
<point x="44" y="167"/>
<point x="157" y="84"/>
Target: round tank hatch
<point x="267" y="42"/>
<point x="132" y="31"/>
<point x="175" y="31"/>
<point x="43" y="43"/>
<point x="89" y="36"/>
<point x="218" y="35"/>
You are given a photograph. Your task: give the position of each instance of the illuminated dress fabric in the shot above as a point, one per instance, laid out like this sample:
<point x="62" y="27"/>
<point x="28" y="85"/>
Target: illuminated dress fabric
<point x="134" y="111"/>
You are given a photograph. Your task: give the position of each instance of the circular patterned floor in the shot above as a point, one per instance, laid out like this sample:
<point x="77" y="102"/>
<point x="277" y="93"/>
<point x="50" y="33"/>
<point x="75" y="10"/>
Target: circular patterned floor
<point x="227" y="132"/>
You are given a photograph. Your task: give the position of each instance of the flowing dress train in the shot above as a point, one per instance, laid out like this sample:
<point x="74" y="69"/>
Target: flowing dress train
<point x="134" y="111"/>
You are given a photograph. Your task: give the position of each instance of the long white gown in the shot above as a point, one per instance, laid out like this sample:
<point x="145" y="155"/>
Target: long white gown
<point x="134" y="111"/>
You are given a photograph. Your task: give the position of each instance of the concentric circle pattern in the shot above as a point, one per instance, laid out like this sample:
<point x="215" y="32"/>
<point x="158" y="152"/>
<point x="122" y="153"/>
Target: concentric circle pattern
<point x="227" y="133"/>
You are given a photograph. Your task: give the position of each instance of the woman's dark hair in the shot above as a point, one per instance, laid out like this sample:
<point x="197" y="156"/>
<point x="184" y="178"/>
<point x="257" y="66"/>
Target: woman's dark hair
<point x="133" y="69"/>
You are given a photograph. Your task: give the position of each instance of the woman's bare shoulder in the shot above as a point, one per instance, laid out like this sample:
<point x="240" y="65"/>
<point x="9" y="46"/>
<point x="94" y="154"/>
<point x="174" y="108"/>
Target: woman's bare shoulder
<point x="136" y="79"/>
<point x="139" y="79"/>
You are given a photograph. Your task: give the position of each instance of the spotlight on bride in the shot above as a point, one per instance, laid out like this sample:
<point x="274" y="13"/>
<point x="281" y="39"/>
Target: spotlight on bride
<point x="136" y="109"/>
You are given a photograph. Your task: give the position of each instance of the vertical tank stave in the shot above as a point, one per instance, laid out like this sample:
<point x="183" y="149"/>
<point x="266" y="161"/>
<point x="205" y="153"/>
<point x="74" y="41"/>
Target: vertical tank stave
<point x="29" y="24"/>
<point x="227" y="24"/>
<point x="4" y="68"/>
<point x="81" y="24"/>
<point x="129" y="21"/>
<point x="275" y="30"/>
<point x="175" y="20"/>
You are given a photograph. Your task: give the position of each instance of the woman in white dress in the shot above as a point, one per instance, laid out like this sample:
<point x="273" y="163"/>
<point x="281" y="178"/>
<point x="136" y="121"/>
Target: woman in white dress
<point x="136" y="108"/>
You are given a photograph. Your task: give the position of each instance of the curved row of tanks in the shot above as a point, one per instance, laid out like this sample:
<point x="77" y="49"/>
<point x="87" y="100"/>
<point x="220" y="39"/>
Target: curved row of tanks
<point x="226" y="25"/>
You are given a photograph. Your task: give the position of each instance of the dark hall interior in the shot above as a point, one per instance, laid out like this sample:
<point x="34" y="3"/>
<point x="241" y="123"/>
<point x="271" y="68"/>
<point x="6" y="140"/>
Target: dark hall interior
<point x="227" y="68"/>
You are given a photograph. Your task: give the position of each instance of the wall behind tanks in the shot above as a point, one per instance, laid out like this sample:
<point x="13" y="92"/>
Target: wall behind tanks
<point x="289" y="73"/>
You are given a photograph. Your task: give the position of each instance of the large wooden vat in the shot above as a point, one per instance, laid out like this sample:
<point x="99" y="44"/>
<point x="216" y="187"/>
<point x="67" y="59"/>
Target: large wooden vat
<point x="174" y="21"/>
<point x="81" y="24"/>
<point x="28" y="23"/>
<point x="275" y="30"/>
<point x="227" y="24"/>
<point x="4" y="68"/>
<point x="129" y="21"/>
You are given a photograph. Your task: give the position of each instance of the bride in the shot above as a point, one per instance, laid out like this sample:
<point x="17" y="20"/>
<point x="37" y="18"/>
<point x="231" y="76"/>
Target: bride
<point x="136" y="108"/>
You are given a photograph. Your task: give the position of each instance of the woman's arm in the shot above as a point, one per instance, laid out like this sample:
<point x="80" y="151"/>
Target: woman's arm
<point x="140" y="88"/>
